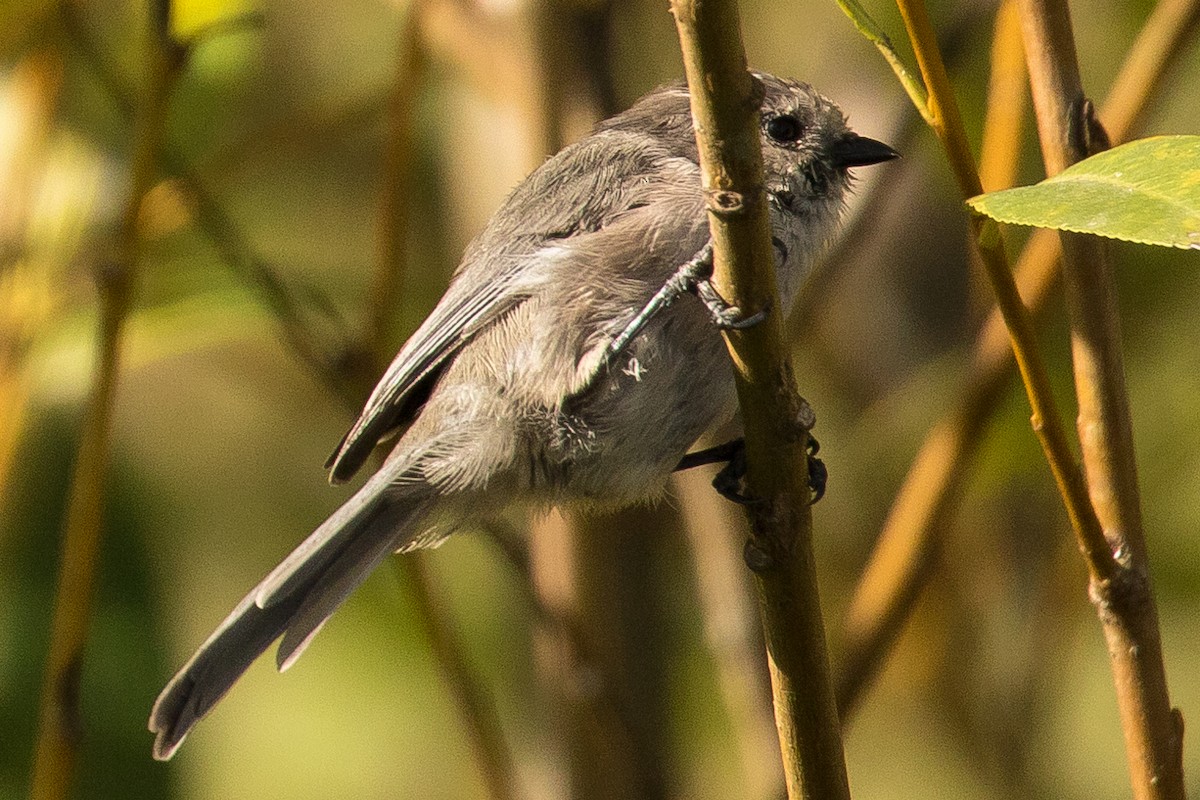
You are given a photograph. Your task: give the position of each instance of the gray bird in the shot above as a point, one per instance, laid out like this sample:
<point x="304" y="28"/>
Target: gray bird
<point x="555" y="369"/>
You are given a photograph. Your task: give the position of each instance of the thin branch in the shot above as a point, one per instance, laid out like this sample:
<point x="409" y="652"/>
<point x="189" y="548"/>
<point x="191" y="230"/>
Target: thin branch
<point x="484" y="732"/>
<point x="60" y="721"/>
<point x="877" y="36"/>
<point x="1046" y="422"/>
<point x="1123" y="598"/>
<point x="898" y="568"/>
<point x="725" y="99"/>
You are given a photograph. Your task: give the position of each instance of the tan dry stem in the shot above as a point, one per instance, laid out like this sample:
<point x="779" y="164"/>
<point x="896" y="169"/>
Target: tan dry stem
<point x="1123" y="597"/>
<point x="725" y="102"/>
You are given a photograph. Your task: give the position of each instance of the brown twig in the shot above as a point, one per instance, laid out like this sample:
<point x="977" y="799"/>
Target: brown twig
<point x="725" y="99"/>
<point x="1123" y="596"/>
<point x="898" y="568"/>
<point x="60" y="722"/>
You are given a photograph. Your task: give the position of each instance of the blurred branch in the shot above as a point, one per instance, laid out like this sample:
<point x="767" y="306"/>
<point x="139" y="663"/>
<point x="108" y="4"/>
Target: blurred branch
<point x="60" y="721"/>
<point x="876" y="35"/>
<point x="579" y="657"/>
<point x="26" y="298"/>
<point x="479" y="716"/>
<point x="714" y="532"/>
<point x="308" y="320"/>
<point x="1123" y="596"/>
<point x="482" y="722"/>
<point x="1157" y="45"/>
<point x="396" y="187"/>
<point x="481" y="46"/>
<point x="905" y="553"/>
<point x="900" y="564"/>
<point x="545" y="576"/>
<point x="725" y="101"/>
<point x="1000" y="153"/>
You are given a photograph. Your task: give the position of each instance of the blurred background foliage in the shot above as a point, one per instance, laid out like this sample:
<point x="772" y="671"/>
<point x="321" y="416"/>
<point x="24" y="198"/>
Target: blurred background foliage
<point x="307" y="146"/>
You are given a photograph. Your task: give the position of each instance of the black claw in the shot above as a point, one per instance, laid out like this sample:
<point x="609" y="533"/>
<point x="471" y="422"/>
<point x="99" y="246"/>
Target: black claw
<point x="818" y="473"/>
<point x="728" y="481"/>
<point x="818" y="476"/>
<point x="723" y="314"/>
<point x="739" y="323"/>
<point x="731" y="478"/>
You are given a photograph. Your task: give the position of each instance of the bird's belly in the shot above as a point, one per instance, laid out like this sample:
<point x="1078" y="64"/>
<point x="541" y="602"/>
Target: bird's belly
<point x="620" y="444"/>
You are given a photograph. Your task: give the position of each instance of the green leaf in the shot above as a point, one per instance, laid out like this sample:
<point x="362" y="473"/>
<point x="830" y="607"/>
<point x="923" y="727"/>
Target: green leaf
<point x="1147" y="191"/>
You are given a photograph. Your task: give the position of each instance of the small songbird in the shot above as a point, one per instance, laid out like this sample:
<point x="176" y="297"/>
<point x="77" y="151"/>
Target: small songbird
<point x="556" y="369"/>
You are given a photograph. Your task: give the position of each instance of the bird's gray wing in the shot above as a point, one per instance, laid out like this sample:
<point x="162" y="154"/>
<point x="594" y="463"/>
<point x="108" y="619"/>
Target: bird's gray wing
<point x="581" y="190"/>
<point x="410" y="377"/>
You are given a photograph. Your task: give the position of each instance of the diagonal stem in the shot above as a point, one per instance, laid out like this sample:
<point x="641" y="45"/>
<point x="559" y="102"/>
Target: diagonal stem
<point x="1046" y="421"/>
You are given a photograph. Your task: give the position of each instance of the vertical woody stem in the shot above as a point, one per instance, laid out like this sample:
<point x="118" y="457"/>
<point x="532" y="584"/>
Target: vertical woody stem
<point x="725" y="100"/>
<point x="1123" y="598"/>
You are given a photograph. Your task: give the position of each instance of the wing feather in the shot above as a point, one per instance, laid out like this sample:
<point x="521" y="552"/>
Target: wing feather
<point x="507" y="263"/>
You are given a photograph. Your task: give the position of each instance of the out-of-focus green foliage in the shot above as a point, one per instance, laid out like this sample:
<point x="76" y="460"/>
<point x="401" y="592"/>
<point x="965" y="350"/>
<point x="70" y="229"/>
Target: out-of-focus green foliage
<point x="1146" y="191"/>
<point x="999" y="688"/>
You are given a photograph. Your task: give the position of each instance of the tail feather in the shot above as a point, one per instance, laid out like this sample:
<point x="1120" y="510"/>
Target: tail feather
<point x="358" y="560"/>
<point x="314" y="554"/>
<point x="204" y="680"/>
<point x="292" y="603"/>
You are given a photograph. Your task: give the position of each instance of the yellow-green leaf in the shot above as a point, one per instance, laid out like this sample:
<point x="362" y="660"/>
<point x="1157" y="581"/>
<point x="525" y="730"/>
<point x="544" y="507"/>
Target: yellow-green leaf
<point x="1146" y="191"/>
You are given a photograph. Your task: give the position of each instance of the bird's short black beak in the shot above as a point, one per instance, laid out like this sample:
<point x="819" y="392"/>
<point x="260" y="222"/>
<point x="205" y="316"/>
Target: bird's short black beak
<point x="853" y="150"/>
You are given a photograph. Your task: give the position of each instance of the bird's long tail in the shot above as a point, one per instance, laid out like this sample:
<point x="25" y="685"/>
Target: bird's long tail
<point x="294" y="601"/>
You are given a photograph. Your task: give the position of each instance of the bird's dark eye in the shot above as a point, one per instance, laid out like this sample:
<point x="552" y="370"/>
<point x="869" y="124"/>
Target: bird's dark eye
<point x="784" y="128"/>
